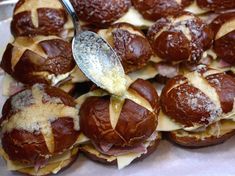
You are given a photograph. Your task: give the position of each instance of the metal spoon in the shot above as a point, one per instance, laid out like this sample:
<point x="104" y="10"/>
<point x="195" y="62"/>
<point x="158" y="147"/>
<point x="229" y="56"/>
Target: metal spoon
<point x="96" y="58"/>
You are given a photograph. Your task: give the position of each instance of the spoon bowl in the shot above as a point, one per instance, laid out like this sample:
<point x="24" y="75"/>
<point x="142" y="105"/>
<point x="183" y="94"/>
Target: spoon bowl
<point x="96" y="58"/>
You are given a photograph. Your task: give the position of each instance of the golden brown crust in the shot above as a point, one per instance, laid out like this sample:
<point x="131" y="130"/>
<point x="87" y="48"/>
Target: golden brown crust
<point x="135" y="123"/>
<point x="224" y="46"/>
<point x="182" y="38"/>
<point x="34" y="65"/>
<point x="95" y="158"/>
<point x="50" y="21"/>
<point x="193" y="142"/>
<point x="100" y="12"/>
<point x="130" y="44"/>
<point x="156" y="9"/>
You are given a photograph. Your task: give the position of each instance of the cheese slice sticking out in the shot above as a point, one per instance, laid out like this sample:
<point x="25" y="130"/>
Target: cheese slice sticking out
<point x="125" y="160"/>
<point x="195" y="9"/>
<point x="165" y="123"/>
<point x="54" y="165"/>
<point x="147" y="72"/>
<point x="200" y="82"/>
<point x="135" y="18"/>
<point x="227" y="27"/>
<point x="115" y="108"/>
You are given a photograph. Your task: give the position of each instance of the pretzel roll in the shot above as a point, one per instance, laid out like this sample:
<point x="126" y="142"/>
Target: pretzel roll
<point x="156" y="9"/>
<point x="224" y="39"/>
<point x="40" y="17"/>
<point x="199" y="98"/>
<point x="180" y="38"/>
<point x="215" y="5"/>
<point x="100" y="12"/>
<point x="130" y="44"/>
<point x="38" y="60"/>
<point x="120" y="125"/>
<point x="37" y="125"/>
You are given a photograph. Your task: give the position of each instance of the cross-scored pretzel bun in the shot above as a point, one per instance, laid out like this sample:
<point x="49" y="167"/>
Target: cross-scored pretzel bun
<point x="38" y="124"/>
<point x="180" y="38"/>
<point x="156" y="9"/>
<point x="130" y="44"/>
<point x="224" y="40"/>
<point x="215" y="5"/>
<point x="100" y="12"/>
<point x="122" y="122"/>
<point x="38" y="60"/>
<point x="199" y="98"/>
<point x="40" y="17"/>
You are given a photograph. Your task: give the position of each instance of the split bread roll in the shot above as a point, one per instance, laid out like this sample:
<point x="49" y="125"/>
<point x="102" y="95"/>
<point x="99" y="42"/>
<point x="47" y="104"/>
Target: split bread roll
<point x="39" y="129"/>
<point x="194" y="103"/>
<point x="121" y="128"/>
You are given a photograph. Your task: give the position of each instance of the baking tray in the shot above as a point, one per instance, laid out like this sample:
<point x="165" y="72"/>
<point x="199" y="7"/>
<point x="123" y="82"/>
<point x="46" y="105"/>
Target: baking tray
<point x="167" y="160"/>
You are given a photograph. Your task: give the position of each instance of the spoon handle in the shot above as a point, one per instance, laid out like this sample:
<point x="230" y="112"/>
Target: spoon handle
<point x="70" y="10"/>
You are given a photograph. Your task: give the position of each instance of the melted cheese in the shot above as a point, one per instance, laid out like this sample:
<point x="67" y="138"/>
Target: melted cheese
<point x="212" y="72"/>
<point x="156" y="59"/>
<point x="165" y="123"/>
<point x="54" y="165"/>
<point x="93" y="151"/>
<point x="217" y="129"/>
<point x="195" y="9"/>
<point x="182" y="18"/>
<point x="147" y="72"/>
<point x="67" y="87"/>
<point x="179" y="2"/>
<point x="185" y="30"/>
<point x="209" y="53"/>
<point x="78" y="76"/>
<point x="135" y="18"/>
<point x="81" y="139"/>
<point x="115" y="108"/>
<point x="226" y="28"/>
<point x="21" y="44"/>
<point x="107" y="35"/>
<point x="135" y="97"/>
<point x="96" y="93"/>
<point x="112" y="79"/>
<point x="55" y="79"/>
<point x="34" y="5"/>
<point x="199" y="82"/>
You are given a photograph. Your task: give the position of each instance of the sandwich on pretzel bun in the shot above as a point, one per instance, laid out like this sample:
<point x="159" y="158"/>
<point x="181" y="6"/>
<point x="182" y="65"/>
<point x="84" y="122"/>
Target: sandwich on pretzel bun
<point x="39" y="129"/>
<point x="119" y="130"/>
<point x="198" y="108"/>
